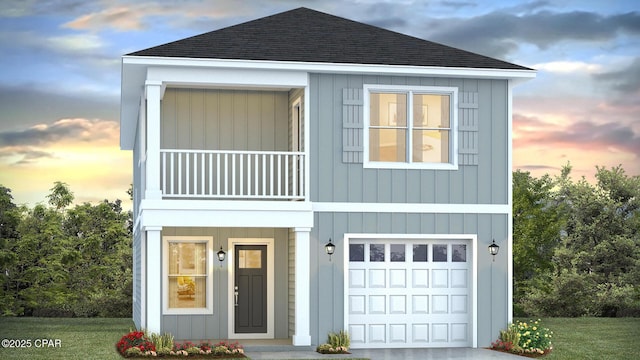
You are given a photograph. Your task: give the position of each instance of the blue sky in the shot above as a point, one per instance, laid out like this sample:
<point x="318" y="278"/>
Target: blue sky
<point x="60" y="83"/>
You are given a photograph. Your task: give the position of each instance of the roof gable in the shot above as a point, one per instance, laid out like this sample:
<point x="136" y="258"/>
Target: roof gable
<point x="305" y="35"/>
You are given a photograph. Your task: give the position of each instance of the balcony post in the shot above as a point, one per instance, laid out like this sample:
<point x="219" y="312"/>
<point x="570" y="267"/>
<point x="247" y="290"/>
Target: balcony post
<point x="153" y="92"/>
<point x="302" y="335"/>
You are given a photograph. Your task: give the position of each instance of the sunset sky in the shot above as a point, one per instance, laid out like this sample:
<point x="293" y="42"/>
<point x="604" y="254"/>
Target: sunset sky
<point x="60" y="83"/>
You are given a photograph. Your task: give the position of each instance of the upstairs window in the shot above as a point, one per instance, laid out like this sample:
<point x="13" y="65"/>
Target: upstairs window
<point x="410" y="127"/>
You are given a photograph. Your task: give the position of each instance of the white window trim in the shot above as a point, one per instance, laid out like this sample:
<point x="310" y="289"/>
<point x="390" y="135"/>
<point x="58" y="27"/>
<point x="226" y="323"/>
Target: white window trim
<point x="436" y="90"/>
<point x="165" y="276"/>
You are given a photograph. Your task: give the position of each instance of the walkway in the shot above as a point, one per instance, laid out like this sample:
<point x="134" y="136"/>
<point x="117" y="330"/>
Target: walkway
<point x="389" y="354"/>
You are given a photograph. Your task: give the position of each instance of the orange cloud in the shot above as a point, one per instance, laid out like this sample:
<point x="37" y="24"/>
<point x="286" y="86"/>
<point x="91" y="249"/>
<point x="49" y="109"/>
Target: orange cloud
<point x="81" y="152"/>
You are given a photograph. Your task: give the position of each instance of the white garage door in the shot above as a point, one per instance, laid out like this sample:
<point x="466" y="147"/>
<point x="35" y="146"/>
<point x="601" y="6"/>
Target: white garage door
<point x="410" y="293"/>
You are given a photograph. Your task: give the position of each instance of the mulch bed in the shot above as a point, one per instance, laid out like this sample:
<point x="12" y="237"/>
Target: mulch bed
<point x="529" y="355"/>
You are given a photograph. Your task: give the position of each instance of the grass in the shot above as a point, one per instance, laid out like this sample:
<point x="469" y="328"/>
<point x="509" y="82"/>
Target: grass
<point x="593" y="338"/>
<point x="93" y="338"/>
<point x="80" y="338"/>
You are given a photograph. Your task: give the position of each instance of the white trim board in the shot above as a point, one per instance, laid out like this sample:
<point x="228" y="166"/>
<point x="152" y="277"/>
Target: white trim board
<point x="270" y="243"/>
<point x="411" y="208"/>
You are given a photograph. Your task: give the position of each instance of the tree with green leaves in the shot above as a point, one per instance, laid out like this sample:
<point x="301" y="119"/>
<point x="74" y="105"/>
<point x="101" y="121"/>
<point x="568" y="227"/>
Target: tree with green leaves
<point x="597" y="262"/>
<point x="9" y="221"/>
<point x="64" y="260"/>
<point x="536" y="231"/>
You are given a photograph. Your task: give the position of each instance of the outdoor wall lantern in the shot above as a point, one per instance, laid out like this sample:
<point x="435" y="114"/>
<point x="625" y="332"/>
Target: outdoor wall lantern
<point x="330" y="248"/>
<point x="493" y="249"/>
<point x="221" y="255"/>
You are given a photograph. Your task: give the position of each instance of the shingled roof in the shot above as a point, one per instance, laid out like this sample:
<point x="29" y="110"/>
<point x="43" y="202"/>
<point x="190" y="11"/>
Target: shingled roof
<point x="305" y="35"/>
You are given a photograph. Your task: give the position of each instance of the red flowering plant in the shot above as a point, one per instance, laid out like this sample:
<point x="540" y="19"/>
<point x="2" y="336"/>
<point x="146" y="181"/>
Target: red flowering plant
<point x="135" y="343"/>
<point x="502" y="345"/>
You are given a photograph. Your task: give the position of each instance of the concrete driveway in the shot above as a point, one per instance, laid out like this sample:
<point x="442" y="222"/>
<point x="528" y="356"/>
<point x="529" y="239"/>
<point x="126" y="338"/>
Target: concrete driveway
<point x="390" y="354"/>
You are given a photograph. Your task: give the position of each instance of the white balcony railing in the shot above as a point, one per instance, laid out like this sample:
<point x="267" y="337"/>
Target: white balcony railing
<point x="230" y="174"/>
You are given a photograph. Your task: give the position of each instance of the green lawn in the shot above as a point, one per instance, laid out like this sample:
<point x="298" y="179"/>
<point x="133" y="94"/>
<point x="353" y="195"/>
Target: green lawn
<point x="574" y="338"/>
<point x="594" y="338"/>
<point x="80" y="338"/>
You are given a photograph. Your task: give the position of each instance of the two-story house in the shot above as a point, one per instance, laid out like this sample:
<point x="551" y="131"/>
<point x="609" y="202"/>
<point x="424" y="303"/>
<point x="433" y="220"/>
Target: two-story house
<point x="257" y="145"/>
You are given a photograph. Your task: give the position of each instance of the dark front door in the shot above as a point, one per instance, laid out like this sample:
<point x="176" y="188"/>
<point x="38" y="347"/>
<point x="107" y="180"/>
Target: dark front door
<point x="250" y="289"/>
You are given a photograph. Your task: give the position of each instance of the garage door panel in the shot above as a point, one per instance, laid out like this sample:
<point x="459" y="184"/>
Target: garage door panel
<point x="377" y="278"/>
<point x="459" y="332"/>
<point x="440" y="332"/>
<point x="420" y="278"/>
<point x="440" y="304"/>
<point x="419" y="304"/>
<point x="459" y="278"/>
<point x="398" y="333"/>
<point x="357" y="304"/>
<point x="440" y="278"/>
<point x="420" y="333"/>
<point x="459" y="304"/>
<point x="397" y="304"/>
<point x="377" y="304"/>
<point x="398" y="278"/>
<point x="357" y="278"/>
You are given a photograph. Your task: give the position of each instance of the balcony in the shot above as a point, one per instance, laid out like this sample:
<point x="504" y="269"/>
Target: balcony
<point x="232" y="174"/>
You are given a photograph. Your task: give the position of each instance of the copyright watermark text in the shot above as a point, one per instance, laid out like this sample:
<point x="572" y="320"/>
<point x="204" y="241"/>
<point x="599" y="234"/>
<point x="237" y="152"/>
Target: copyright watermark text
<point x="28" y="343"/>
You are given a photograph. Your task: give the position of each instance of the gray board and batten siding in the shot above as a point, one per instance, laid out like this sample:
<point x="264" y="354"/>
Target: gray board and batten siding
<point x="328" y="275"/>
<point x="214" y="326"/>
<point x="212" y="119"/>
<point x="338" y="175"/>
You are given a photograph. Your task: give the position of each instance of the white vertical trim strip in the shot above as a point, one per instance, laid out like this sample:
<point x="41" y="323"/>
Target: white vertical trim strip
<point x="153" y="283"/>
<point x="302" y="335"/>
<point x="510" y="201"/>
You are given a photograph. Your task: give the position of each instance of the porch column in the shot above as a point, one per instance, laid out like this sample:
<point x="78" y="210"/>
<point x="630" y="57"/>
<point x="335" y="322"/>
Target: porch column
<point x="154" y="279"/>
<point x="302" y="335"/>
<point x="153" y="93"/>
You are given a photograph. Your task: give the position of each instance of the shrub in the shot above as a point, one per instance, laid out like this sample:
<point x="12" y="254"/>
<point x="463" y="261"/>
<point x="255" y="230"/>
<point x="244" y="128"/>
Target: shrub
<point x="134" y="340"/>
<point x="525" y="337"/>
<point x="161" y="342"/>
<point x="534" y="338"/>
<point x="569" y="294"/>
<point x="341" y="339"/>
<point x="511" y="336"/>
<point x="337" y="343"/>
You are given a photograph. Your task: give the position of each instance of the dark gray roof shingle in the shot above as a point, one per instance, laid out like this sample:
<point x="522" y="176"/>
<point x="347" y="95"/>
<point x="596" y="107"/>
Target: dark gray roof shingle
<point x="305" y="35"/>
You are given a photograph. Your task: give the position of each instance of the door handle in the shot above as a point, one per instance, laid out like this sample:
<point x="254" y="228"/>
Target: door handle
<point x="235" y="294"/>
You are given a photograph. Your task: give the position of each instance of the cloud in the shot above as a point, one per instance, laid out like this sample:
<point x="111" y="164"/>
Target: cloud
<point x="120" y="18"/>
<point x="137" y="16"/>
<point x="625" y="80"/>
<point x="80" y="43"/>
<point x="61" y="131"/>
<point x="568" y="67"/>
<point x="499" y="33"/>
<point x="21" y="8"/>
<point x="23" y="155"/>
<point x="19" y="112"/>
<point x="580" y="135"/>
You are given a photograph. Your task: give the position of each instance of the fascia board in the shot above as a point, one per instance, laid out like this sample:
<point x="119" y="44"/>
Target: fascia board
<point x="334" y="67"/>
